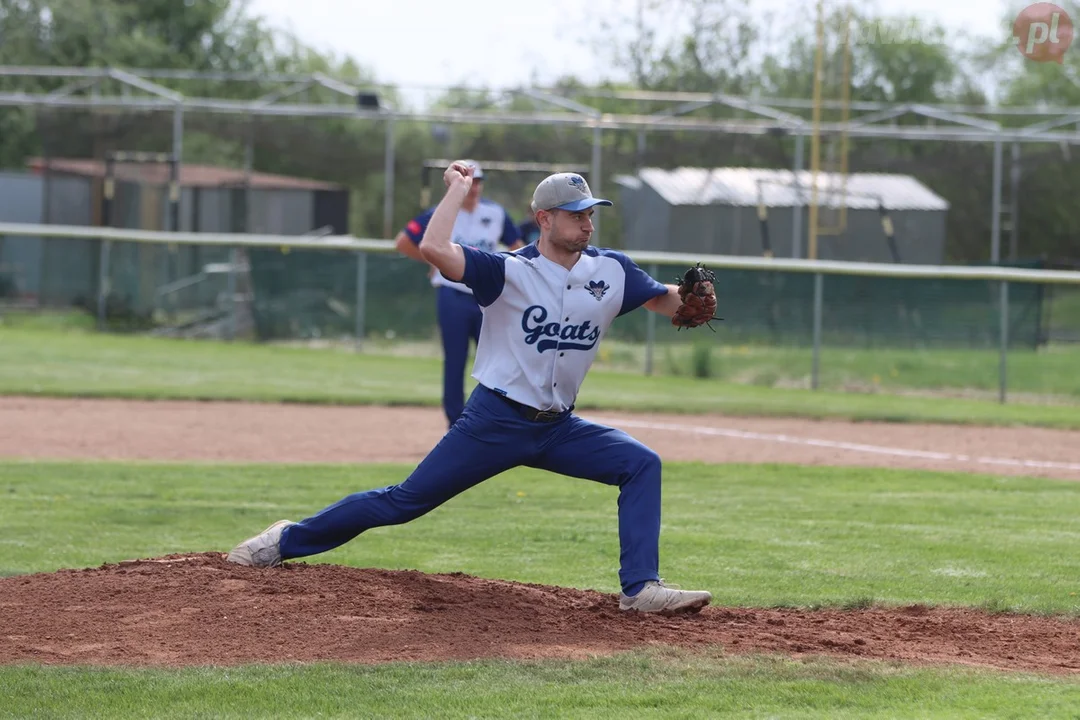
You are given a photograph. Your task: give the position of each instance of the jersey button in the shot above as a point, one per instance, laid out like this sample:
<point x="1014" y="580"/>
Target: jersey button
<point x="567" y="287"/>
<point x="561" y="354"/>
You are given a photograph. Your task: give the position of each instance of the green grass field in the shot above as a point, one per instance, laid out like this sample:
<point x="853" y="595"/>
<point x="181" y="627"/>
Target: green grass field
<point x="1046" y="373"/>
<point x="49" y="361"/>
<point x="755" y="535"/>
<point x="646" y="685"/>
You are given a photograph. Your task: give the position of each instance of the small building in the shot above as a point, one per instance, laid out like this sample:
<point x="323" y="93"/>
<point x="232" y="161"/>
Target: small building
<point x="715" y="211"/>
<point x="211" y="197"/>
<point x="69" y="191"/>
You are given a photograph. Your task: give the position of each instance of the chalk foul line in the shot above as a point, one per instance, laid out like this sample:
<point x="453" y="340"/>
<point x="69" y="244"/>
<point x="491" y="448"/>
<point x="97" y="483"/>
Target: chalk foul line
<point x="840" y="445"/>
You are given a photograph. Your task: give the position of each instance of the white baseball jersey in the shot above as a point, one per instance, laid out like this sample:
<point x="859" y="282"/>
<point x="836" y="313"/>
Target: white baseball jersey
<point x="543" y="323"/>
<point x="484" y="227"/>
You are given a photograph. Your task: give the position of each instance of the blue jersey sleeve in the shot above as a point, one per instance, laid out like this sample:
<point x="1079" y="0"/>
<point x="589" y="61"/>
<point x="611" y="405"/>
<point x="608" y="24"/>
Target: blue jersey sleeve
<point x="416" y="227"/>
<point x="485" y="274"/>
<point x="640" y="286"/>
<point x="510" y="233"/>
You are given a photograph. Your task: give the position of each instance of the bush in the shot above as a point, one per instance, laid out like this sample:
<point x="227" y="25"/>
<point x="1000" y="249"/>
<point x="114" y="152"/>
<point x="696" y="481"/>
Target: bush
<point x="702" y="359"/>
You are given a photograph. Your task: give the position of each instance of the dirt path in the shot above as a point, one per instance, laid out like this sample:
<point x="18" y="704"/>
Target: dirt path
<point x="197" y="609"/>
<point x="117" y="429"/>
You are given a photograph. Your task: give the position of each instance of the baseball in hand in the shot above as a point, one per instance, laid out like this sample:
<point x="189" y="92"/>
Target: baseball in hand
<point x="458" y="173"/>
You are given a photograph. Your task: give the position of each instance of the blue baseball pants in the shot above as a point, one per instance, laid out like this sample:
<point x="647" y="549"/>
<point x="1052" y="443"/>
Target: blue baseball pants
<point x="460" y="318"/>
<point x="491" y="437"/>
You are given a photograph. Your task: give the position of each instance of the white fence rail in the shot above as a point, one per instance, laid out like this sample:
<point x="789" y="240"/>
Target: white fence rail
<point x="651" y="261"/>
<point x="642" y="257"/>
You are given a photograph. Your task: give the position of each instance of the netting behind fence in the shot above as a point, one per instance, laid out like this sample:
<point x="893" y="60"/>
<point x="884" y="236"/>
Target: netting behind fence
<point x="153" y="286"/>
<point x="287" y="293"/>
<point x="777" y="308"/>
<point x="312" y="294"/>
<point x="304" y="294"/>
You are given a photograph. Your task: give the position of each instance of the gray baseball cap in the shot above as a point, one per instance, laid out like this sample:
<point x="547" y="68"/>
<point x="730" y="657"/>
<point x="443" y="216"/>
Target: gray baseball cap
<point x="565" y="191"/>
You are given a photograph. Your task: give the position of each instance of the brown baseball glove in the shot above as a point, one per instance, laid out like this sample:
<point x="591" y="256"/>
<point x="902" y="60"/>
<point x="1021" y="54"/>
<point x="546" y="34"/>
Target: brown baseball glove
<point x="698" y="299"/>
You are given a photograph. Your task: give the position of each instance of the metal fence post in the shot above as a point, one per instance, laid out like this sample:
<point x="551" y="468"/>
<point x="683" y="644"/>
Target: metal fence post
<point x="108" y="190"/>
<point x="234" y="260"/>
<point x="1003" y="312"/>
<point x="361" y="296"/>
<point x="650" y="328"/>
<point x="819" y="282"/>
<point x="388" y="180"/>
<point x="177" y="159"/>
<point x="797" y="209"/>
<point x="594" y="171"/>
<point x="995" y="203"/>
<point x="103" y="282"/>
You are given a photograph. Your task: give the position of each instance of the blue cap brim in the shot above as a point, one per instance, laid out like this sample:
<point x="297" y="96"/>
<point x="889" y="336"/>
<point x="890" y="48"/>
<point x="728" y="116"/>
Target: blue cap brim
<point x="583" y="204"/>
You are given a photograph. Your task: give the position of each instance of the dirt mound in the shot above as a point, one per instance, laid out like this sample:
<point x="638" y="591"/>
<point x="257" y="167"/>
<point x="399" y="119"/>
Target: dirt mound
<point x="198" y="609"/>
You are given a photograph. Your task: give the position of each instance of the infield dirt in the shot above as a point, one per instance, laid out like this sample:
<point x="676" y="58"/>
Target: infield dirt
<point x="197" y="609"/>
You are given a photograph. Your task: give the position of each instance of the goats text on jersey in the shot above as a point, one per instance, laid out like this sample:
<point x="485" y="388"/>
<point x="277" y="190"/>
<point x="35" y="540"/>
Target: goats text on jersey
<point x="543" y="323"/>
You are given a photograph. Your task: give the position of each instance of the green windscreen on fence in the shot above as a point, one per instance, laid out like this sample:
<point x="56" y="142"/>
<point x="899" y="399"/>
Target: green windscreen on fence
<point x="303" y="294"/>
<point x="313" y="294"/>
<point x="148" y="285"/>
<point x="778" y="308"/>
<point x="293" y="294"/>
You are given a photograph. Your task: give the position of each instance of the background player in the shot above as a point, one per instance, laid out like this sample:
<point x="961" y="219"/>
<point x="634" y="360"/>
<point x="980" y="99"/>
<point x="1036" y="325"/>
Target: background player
<point x="528" y="229"/>
<point x="480" y="223"/>
<point x="546" y="307"/>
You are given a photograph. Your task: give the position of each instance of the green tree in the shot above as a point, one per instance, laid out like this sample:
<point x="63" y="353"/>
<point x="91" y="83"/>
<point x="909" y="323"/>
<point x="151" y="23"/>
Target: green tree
<point x="192" y="34"/>
<point x="687" y="45"/>
<point x="1050" y="178"/>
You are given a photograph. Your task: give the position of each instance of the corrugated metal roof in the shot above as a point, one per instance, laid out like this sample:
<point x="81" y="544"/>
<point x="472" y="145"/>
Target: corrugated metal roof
<point x="191" y="175"/>
<point x="748" y="186"/>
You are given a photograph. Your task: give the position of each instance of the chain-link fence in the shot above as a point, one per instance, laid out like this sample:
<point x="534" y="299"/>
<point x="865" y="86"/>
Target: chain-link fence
<point x="363" y="173"/>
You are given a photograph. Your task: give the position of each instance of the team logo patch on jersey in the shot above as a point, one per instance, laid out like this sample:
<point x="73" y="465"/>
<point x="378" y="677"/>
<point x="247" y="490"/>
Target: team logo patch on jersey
<point x="597" y="288"/>
<point x="485" y="221"/>
<point x="556" y="336"/>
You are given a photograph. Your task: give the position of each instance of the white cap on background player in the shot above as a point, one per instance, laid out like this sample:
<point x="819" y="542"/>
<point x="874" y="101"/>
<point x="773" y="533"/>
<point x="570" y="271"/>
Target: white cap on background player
<point x="564" y="191"/>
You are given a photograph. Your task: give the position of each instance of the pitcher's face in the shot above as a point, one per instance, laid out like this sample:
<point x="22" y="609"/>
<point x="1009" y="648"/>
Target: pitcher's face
<point x="568" y="230"/>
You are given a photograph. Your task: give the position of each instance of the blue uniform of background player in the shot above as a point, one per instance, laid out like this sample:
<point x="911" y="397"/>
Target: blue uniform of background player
<point x="529" y="230"/>
<point x="546" y="309"/>
<point x="480" y="223"/>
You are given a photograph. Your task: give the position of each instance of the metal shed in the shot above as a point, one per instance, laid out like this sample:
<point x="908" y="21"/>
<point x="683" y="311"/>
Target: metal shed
<point x="716" y="211"/>
<point x="212" y="199"/>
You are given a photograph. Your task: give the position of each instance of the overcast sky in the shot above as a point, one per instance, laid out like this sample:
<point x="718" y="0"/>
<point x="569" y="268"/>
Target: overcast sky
<point x="485" y="43"/>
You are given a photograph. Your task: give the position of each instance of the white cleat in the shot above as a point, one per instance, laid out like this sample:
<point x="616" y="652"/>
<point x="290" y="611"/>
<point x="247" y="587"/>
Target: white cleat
<point x="262" y="550"/>
<point x="655" y="597"/>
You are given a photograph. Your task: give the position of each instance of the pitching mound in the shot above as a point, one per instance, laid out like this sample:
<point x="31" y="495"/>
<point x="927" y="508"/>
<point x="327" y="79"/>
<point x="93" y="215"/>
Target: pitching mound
<point x="200" y="610"/>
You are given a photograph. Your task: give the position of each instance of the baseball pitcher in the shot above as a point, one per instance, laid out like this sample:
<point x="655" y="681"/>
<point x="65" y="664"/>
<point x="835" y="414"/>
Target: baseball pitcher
<point x="546" y="308"/>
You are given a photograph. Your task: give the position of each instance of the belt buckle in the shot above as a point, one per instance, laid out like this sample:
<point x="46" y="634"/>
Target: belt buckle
<point x="546" y="415"/>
